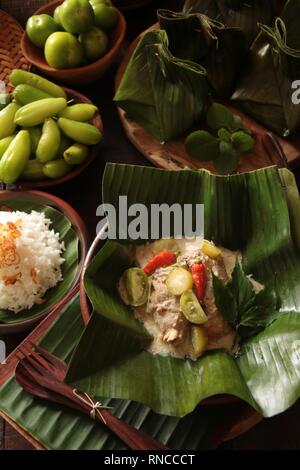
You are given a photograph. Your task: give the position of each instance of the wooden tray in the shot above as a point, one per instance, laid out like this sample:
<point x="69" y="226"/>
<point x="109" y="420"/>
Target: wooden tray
<point x="172" y="155"/>
<point x="11" y="56"/>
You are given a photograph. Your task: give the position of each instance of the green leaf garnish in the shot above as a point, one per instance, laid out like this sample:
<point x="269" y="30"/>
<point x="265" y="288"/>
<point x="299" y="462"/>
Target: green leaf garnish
<point x="201" y="145"/>
<point x="227" y="161"/>
<point x="219" y="116"/>
<point x="247" y="311"/>
<point x="224" y="134"/>
<point x="242" y="141"/>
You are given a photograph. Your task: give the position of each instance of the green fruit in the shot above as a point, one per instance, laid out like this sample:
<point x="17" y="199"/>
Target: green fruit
<point x="19" y="77"/>
<point x="7" y="120"/>
<point x="49" y="142"/>
<point x="65" y="143"/>
<point x="56" y="169"/>
<point x="76" y="154"/>
<point x="5" y="99"/>
<point x="56" y="16"/>
<point x="81" y="132"/>
<point x="4" y="144"/>
<point x="39" y="28"/>
<point x="76" y="16"/>
<point x="98" y="2"/>
<point x="33" y="171"/>
<point x="25" y="94"/>
<point x="35" y="113"/>
<point x="106" y="17"/>
<point x="15" y="159"/>
<point x="81" y="112"/>
<point x="35" y="135"/>
<point x="94" y="43"/>
<point x="63" y="50"/>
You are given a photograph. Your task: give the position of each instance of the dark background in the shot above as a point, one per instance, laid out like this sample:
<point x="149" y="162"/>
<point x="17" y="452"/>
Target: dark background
<point x="84" y="194"/>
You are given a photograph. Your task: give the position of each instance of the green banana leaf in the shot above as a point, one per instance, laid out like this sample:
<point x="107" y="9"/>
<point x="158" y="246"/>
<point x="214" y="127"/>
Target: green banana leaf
<point x="235" y="13"/>
<point x="219" y="49"/>
<point x="61" y="225"/>
<point x="60" y="428"/>
<point x="163" y="93"/>
<point x="265" y="90"/>
<point x="255" y="212"/>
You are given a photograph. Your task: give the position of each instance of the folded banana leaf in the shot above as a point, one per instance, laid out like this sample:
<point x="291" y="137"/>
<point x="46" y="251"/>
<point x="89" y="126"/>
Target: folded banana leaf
<point x="235" y="13"/>
<point x="219" y="49"/>
<point x="255" y="212"/>
<point x="62" y="225"/>
<point x="164" y="94"/>
<point x="265" y="90"/>
<point x="60" y="428"/>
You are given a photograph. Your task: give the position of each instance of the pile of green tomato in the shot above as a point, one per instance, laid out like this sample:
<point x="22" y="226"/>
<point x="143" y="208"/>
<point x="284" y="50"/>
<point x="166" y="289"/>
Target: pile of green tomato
<point x="76" y="34"/>
<point x="42" y="135"/>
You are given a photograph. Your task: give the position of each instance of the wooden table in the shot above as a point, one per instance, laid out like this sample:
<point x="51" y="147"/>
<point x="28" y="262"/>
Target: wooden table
<point x="83" y="194"/>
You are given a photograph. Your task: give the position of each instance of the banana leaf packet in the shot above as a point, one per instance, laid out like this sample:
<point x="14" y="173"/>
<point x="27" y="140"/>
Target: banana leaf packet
<point x="220" y="50"/>
<point x="265" y="91"/>
<point x="164" y="94"/>
<point x="243" y="14"/>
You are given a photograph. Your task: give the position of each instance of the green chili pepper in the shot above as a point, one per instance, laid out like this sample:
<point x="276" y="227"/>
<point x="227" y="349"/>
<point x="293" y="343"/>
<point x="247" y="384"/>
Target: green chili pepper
<point x="33" y="171"/>
<point x="56" y="168"/>
<point x="81" y="112"/>
<point x="76" y="154"/>
<point x="81" y="132"/>
<point x="4" y="144"/>
<point x="35" y="113"/>
<point x="25" y="94"/>
<point x="7" y="123"/>
<point x="49" y="142"/>
<point x="15" y="159"/>
<point x="19" y="77"/>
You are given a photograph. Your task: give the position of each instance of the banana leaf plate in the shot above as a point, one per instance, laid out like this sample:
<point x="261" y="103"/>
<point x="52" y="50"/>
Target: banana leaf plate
<point x="172" y="154"/>
<point x="257" y="213"/>
<point x="49" y="426"/>
<point x="72" y="230"/>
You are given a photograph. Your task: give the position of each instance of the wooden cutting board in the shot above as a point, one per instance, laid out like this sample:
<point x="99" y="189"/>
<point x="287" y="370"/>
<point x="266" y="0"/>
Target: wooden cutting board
<point x="172" y="155"/>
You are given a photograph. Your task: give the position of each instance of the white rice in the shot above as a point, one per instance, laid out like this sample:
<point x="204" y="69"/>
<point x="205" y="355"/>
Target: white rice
<point x="30" y="262"/>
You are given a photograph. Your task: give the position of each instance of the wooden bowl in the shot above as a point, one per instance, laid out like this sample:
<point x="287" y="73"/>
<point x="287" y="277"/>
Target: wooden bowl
<point x="79" y="75"/>
<point x="42" y="198"/>
<point x="97" y="121"/>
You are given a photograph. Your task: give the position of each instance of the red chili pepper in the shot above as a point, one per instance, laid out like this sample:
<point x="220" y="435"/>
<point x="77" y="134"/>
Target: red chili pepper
<point x="198" y="273"/>
<point x="163" y="258"/>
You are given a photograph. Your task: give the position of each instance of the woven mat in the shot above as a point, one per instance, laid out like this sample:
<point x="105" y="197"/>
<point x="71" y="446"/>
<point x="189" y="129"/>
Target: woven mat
<point x="21" y="9"/>
<point x="11" y="56"/>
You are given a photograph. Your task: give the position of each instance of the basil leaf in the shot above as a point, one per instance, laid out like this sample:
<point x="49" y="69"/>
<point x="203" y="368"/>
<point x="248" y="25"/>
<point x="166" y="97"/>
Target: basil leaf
<point x="247" y="311"/>
<point x="237" y="124"/>
<point x="227" y="161"/>
<point x="202" y="146"/>
<point x="242" y="141"/>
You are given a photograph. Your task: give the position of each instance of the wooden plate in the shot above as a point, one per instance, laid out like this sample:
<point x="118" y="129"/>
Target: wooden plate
<point x="247" y="416"/>
<point x="172" y="155"/>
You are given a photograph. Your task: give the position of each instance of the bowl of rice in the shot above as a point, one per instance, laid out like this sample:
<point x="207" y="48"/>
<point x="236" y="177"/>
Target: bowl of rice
<point x="43" y="244"/>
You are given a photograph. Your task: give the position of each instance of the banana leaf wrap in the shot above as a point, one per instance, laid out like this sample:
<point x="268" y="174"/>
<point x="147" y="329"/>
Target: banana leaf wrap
<point x="265" y="91"/>
<point x="219" y="49"/>
<point x="235" y="13"/>
<point x="257" y="213"/>
<point x="164" y="94"/>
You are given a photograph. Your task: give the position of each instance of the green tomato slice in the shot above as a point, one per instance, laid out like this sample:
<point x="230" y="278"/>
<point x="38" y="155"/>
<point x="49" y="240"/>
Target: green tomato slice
<point x="192" y="309"/>
<point x="134" y="287"/>
<point x="179" y="280"/>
